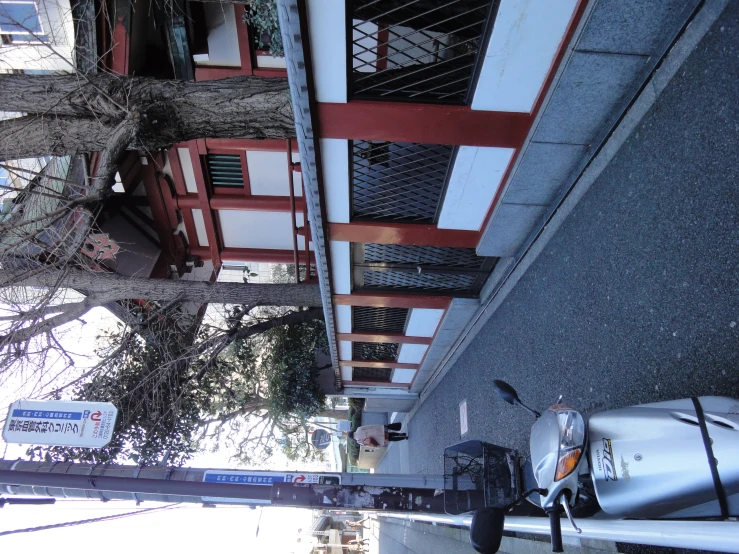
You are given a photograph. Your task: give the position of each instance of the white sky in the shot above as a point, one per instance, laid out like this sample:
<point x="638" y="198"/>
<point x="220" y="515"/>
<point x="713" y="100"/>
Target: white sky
<point x="184" y="529"/>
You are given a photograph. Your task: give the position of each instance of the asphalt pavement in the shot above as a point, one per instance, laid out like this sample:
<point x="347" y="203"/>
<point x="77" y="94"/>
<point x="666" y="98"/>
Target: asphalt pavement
<point x="636" y="298"/>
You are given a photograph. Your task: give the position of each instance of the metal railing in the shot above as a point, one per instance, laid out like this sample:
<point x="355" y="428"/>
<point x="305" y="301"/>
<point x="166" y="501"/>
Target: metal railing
<point x="425" y="50"/>
<point x="398" y="181"/>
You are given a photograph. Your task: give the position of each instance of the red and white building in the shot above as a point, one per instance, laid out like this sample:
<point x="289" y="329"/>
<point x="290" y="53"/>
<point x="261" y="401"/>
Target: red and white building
<point x="204" y="205"/>
<point x="410" y="117"/>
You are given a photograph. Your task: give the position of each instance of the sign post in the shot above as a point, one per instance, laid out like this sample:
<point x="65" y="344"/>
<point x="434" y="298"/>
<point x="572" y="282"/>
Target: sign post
<point x="60" y="423"/>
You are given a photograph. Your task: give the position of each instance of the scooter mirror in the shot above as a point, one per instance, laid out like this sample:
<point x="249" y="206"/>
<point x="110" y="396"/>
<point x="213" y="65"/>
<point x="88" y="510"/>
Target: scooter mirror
<point x="486" y="530"/>
<point x="506" y="392"/>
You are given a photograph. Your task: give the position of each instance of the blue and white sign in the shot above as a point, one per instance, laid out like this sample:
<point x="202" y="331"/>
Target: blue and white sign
<point x="266" y="478"/>
<point x="60" y="423"/>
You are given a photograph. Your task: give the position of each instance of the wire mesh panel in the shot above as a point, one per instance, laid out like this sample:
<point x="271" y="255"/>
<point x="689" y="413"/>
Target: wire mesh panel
<point x="379" y="320"/>
<point x="375" y="351"/>
<point x="424" y="50"/>
<point x="425" y="281"/>
<point x="379" y="374"/>
<point x="398" y="181"/>
<point x="435" y="255"/>
<point x="431" y="269"/>
<point x="225" y="170"/>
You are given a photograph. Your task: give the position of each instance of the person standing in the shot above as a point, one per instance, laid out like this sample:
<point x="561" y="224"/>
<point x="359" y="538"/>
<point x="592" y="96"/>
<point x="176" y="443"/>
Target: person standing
<point x="378" y="435"/>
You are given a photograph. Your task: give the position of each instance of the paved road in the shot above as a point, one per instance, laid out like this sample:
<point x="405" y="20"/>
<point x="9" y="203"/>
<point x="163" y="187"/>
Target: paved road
<point x="636" y="299"/>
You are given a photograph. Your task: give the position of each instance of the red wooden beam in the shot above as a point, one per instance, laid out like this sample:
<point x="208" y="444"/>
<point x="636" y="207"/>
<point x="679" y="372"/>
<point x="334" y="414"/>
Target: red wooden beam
<point x="208" y="218"/>
<point x="369" y="363"/>
<point x="176" y="168"/>
<point x="242" y="32"/>
<point x="192" y="234"/>
<point x="238" y="202"/>
<point x="384" y="300"/>
<point x="402" y="233"/>
<point x="121" y="46"/>
<point x="270" y="145"/>
<point x="388" y="337"/>
<point x="261" y="255"/>
<point x="425" y="123"/>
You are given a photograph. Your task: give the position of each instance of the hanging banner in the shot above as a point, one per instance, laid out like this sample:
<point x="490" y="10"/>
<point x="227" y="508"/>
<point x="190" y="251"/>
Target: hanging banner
<point x="60" y="423"/>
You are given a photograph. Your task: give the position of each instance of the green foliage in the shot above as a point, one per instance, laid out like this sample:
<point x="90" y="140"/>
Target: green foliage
<point x="255" y="395"/>
<point x="290" y="368"/>
<point x="262" y="16"/>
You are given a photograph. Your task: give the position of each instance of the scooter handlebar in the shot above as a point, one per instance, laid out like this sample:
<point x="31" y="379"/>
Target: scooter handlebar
<point x="556" y="529"/>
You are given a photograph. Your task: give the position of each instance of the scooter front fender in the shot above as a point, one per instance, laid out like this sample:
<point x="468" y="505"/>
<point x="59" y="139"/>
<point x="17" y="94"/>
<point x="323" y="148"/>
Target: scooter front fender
<point x="649" y="461"/>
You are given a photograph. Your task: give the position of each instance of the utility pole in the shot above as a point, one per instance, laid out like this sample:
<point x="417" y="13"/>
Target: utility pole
<point x="341" y="491"/>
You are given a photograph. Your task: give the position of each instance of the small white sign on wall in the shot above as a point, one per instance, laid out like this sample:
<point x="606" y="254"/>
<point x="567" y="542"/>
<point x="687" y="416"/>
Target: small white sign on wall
<point x="463" y="417"/>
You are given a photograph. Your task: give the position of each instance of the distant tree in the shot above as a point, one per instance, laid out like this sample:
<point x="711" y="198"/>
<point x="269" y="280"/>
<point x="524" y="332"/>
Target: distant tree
<point x="251" y="386"/>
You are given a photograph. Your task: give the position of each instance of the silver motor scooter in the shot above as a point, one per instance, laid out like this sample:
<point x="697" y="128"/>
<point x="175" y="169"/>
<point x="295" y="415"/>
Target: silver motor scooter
<point x="667" y="460"/>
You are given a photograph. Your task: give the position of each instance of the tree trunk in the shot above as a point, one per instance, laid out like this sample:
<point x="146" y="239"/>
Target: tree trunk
<point x="112" y="287"/>
<point x="69" y="114"/>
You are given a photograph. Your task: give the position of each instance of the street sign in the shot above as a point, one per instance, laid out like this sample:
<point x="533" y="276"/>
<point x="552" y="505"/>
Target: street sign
<point x="321" y="439"/>
<point x="60" y="423"/>
<point x="343" y="425"/>
<point x="266" y="478"/>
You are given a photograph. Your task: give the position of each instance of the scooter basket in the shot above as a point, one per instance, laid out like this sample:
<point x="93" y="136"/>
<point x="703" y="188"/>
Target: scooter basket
<point x="480" y="466"/>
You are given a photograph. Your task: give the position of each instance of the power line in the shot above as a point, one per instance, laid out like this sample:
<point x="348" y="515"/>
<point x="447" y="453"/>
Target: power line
<point x="83" y="521"/>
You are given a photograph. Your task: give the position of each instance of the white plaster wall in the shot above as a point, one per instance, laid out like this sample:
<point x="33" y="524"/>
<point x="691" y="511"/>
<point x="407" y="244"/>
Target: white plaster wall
<point x="345" y="350"/>
<point x="327" y="32"/>
<point x="268" y="174"/>
<point x="525" y="39"/>
<point x="271" y="62"/>
<point x="402" y="375"/>
<point x="223" y="40"/>
<point x="247" y="229"/>
<point x="188" y="173"/>
<point x="346" y="373"/>
<point x="423" y="322"/>
<point x="335" y="158"/>
<point x="197" y="216"/>
<point x="411" y="353"/>
<point x="343" y="319"/>
<point x="56" y="24"/>
<point x="474" y="180"/>
<point x="341" y="267"/>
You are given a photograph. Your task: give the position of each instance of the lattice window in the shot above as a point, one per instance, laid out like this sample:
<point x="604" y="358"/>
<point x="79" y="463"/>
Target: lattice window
<point x="379" y="320"/>
<point x="427" y="255"/>
<point x="417" y="50"/>
<point x="375" y="351"/>
<point x="225" y="170"/>
<point x="398" y="181"/>
<point x="408" y="280"/>
<point x="379" y="374"/>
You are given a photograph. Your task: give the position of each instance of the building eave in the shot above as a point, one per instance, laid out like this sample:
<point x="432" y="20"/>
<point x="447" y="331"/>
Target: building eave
<point x="292" y="20"/>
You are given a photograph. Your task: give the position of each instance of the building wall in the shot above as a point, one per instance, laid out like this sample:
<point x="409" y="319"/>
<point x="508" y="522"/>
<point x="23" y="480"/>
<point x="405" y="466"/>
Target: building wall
<point x="411" y="181"/>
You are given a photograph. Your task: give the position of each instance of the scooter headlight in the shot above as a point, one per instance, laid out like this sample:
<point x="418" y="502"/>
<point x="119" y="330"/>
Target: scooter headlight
<point x="571" y="440"/>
